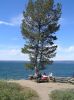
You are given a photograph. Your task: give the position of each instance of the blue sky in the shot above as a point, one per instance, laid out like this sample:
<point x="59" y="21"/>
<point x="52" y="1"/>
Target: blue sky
<point x="11" y="40"/>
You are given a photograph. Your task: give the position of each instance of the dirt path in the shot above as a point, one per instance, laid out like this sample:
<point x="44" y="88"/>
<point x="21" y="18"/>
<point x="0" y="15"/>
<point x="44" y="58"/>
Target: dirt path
<point x="43" y="89"/>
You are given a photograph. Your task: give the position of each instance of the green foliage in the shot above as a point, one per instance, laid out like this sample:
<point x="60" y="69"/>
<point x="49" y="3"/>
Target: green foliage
<point x="62" y="95"/>
<point x="12" y="91"/>
<point x="29" y="65"/>
<point x="39" y="25"/>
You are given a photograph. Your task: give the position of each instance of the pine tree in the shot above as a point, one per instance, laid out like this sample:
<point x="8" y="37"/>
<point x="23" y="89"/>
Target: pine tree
<point x="39" y="25"/>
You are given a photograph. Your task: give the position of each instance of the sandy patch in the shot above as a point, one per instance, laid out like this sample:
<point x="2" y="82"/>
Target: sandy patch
<point x="43" y="89"/>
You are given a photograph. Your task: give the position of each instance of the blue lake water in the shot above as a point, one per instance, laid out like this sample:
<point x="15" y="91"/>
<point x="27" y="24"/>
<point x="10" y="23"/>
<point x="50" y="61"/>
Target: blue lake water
<point x="16" y="69"/>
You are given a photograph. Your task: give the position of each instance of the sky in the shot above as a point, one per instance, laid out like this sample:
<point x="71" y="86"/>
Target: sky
<point x="11" y="40"/>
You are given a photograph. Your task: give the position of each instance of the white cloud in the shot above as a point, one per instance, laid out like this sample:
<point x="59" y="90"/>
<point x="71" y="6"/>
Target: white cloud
<point x="64" y="56"/>
<point x="6" y="23"/>
<point x="13" y="54"/>
<point x="9" y="47"/>
<point x="15" y="21"/>
<point x="69" y="49"/>
<point x="65" y="53"/>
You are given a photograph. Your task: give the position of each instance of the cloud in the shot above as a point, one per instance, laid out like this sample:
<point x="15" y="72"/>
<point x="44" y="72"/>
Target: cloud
<point x="15" y="21"/>
<point x="65" y="53"/>
<point x="6" y="23"/>
<point x="69" y="49"/>
<point x="61" y="56"/>
<point x="13" y="54"/>
<point x="9" y="47"/>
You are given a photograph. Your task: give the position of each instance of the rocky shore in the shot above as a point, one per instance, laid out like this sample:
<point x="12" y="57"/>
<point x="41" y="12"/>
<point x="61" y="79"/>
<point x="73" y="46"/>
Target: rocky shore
<point x="64" y="79"/>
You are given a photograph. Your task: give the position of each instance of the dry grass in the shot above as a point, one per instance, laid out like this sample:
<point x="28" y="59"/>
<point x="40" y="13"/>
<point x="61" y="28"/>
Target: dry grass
<point x="13" y="91"/>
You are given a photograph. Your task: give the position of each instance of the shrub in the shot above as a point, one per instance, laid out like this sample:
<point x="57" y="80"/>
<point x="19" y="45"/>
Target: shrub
<point x="62" y="95"/>
<point x="13" y="91"/>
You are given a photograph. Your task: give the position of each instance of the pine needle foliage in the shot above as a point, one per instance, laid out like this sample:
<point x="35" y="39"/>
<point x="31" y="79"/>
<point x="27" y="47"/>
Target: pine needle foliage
<point x="39" y="25"/>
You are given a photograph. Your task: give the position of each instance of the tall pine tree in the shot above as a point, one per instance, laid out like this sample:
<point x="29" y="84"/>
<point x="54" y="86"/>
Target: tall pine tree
<point x="39" y="25"/>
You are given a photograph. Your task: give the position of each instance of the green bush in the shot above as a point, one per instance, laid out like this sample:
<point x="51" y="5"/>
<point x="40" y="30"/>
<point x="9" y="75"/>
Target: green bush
<point x="12" y="91"/>
<point x="62" y="95"/>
